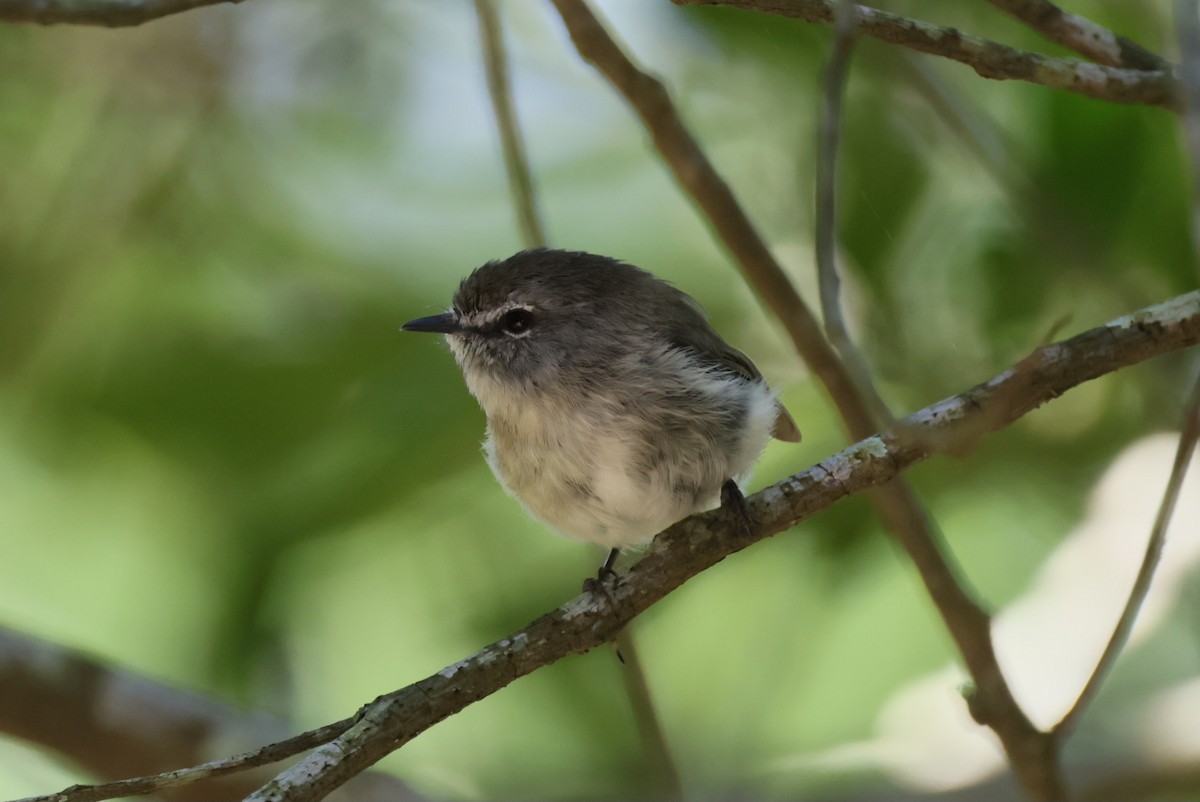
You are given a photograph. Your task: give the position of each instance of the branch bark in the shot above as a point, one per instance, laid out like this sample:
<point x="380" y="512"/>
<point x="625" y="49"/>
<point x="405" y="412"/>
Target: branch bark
<point x="1141" y="585"/>
<point x="1188" y="24"/>
<point x="989" y="59"/>
<point x="1080" y="34"/>
<point x="115" y="723"/>
<point x="1032" y="753"/>
<point x="105" y="13"/>
<point x="701" y="541"/>
<point x="833" y="85"/>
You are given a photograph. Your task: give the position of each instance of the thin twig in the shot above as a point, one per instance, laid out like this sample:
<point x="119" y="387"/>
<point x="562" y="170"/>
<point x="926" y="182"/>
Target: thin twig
<point x="1082" y="35"/>
<point x="140" y="786"/>
<point x="989" y="59"/>
<point x="77" y="706"/>
<point x="520" y="180"/>
<point x="667" y="780"/>
<point x="828" y="137"/>
<point x="682" y="552"/>
<point x="1187" y="22"/>
<point x="1031" y="752"/>
<point x="697" y="176"/>
<point x="1141" y="585"/>
<point x="106" y="13"/>
<point x="699" y="542"/>
<point x="833" y="85"/>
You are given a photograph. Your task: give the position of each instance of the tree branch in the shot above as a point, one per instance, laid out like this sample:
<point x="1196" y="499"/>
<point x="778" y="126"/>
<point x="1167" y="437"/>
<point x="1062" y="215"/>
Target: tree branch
<point x="520" y="183"/>
<point x="699" y="542"/>
<point x="106" y="13"/>
<point x="697" y="176"/>
<point x="989" y="59"/>
<point x="1032" y="753"/>
<point x="520" y="180"/>
<point x="1188" y="24"/>
<point x="78" y="707"/>
<point x="1141" y="585"/>
<point x="1080" y="34"/>
<point x="833" y="85"/>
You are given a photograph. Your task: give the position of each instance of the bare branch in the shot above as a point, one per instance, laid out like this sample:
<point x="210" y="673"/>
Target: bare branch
<point x="520" y="180"/>
<point x="528" y="220"/>
<point x="828" y="136"/>
<point x="699" y="542"/>
<point x="989" y="59"/>
<point x="833" y="86"/>
<point x="157" y="783"/>
<point x="1187" y="21"/>
<point x="1141" y="585"/>
<point x="696" y="174"/>
<point x="1032" y="753"/>
<point x="106" y="13"/>
<point x="668" y="783"/>
<point x="1080" y="34"/>
<point x="78" y="707"/>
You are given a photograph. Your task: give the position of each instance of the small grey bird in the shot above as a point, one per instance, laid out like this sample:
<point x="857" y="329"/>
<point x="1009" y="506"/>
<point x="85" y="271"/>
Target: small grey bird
<point x="613" y="408"/>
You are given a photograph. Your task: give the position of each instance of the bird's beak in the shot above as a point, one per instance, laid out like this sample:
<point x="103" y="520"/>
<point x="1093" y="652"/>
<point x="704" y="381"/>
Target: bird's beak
<point x="437" y="324"/>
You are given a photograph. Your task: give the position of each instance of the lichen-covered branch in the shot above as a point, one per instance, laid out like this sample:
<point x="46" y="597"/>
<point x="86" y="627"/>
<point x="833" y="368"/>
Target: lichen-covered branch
<point x="703" y="540"/>
<point x="79" y="708"/>
<point x="1032" y="754"/>
<point x="1085" y="37"/>
<point x="897" y="503"/>
<point x="989" y="59"/>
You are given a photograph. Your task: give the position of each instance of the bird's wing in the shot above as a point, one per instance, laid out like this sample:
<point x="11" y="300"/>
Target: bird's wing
<point x="734" y="361"/>
<point x="699" y="338"/>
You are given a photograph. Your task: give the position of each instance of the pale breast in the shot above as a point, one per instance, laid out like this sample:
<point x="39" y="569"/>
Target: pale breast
<point x="618" y="473"/>
<point x="578" y="479"/>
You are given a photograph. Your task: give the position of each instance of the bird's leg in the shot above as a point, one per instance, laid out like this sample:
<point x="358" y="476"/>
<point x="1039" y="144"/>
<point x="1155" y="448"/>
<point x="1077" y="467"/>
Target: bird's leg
<point x="604" y="576"/>
<point x="606" y="580"/>
<point x="734" y="503"/>
<point x="607" y="568"/>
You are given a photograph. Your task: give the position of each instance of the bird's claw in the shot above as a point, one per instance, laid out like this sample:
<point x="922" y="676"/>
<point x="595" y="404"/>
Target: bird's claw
<point x="604" y="582"/>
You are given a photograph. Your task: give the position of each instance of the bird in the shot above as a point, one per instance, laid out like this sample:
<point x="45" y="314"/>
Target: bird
<point x="613" y="408"/>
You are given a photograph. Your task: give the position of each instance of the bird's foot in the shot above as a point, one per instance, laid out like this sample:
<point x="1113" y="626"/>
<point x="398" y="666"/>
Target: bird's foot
<point x="606" y="579"/>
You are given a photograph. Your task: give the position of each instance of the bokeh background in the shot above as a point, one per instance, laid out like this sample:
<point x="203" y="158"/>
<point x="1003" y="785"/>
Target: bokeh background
<point x="223" y="466"/>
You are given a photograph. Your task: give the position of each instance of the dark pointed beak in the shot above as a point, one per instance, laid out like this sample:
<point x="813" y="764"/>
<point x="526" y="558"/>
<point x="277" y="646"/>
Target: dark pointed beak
<point x="437" y="324"/>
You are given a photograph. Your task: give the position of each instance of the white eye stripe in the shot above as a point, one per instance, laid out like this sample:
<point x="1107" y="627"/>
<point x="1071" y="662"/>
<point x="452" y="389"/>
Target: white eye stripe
<point x="495" y="314"/>
<point x="486" y="317"/>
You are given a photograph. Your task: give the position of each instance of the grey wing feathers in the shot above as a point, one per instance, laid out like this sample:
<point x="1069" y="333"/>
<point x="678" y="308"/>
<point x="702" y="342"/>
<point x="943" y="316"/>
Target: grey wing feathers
<point x="735" y="361"/>
<point x="698" y="336"/>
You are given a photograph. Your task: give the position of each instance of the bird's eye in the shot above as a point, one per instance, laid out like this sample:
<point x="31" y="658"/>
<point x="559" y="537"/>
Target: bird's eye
<point x="516" y="321"/>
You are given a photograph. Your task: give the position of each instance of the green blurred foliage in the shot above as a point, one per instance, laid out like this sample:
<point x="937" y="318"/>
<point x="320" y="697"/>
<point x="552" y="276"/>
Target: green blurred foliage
<point x="222" y="465"/>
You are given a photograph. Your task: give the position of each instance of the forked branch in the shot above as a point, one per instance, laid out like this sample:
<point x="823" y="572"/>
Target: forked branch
<point x="701" y="541"/>
<point x="988" y="58"/>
